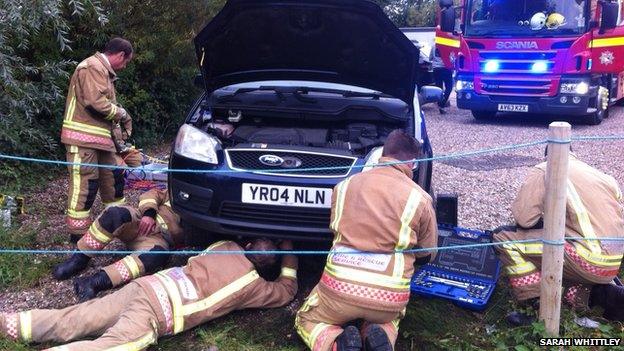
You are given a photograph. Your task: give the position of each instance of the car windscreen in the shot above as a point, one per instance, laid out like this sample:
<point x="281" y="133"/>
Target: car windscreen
<point x="526" y="18"/>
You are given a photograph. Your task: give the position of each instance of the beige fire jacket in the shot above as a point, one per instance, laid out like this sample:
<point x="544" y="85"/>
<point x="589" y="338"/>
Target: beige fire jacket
<point x="593" y="209"/>
<point x="212" y="285"/>
<point x="90" y="108"/>
<point x="381" y="210"/>
<point x="168" y="220"/>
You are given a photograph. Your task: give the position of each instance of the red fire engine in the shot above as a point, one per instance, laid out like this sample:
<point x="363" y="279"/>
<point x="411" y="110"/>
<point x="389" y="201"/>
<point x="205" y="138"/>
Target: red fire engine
<point x="551" y="57"/>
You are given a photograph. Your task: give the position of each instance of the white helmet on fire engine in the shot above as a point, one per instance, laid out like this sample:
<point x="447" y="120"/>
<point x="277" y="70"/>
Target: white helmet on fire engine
<point x="538" y="21"/>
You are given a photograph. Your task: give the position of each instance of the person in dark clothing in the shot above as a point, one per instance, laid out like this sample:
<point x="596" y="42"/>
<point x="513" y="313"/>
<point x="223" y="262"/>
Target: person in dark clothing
<point x="443" y="79"/>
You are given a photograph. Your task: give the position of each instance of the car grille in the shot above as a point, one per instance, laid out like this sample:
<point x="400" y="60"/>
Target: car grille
<point x="249" y="159"/>
<point x="267" y="214"/>
<point x="510" y="63"/>
<point x="527" y="86"/>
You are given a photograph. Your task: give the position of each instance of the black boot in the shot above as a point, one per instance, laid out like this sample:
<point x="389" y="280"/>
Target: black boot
<point x="76" y="263"/>
<point x="376" y="339"/>
<point x="74" y="238"/>
<point x="87" y="287"/>
<point x="611" y="298"/>
<point x="520" y="318"/>
<point x="349" y="340"/>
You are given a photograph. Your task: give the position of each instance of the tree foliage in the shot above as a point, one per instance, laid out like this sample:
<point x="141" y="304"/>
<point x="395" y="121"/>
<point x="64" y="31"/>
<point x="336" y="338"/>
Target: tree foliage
<point x="42" y="41"/>
<point x="33" y="36"/>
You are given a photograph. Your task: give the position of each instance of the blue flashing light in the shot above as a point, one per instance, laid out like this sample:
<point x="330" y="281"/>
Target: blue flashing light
<point x="491" y="66"/>
<point x="539" y="67"/>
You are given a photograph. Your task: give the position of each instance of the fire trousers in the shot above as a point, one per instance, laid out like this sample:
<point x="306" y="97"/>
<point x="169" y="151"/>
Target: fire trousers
<point x="319" y="320"/>
<point x="522" y="262"/>
<point x="84" y="182"/>
<point x="122" y="222"/>
<point x="122" y="320"/>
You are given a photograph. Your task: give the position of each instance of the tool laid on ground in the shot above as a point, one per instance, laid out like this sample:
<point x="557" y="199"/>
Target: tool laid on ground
<point x="467" y="276"/>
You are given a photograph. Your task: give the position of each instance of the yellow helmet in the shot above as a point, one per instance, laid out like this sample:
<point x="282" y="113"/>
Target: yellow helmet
<point x="555" y="20"/>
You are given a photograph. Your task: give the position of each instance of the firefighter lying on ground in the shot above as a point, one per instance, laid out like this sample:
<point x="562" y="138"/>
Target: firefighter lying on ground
<point x="380" y="210"/>
<point x="166" y="303"/>
<point x="90" y="109"/>
<point x="592" y="211"/>
<point x="152" y="227"/>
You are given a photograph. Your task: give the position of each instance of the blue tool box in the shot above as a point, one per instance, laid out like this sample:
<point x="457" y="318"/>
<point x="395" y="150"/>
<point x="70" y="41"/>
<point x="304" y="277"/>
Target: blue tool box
<point x="466" y="276"/>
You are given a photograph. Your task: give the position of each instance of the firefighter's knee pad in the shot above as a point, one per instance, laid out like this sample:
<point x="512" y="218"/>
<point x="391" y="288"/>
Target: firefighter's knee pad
<point x="153" y="262"/>
<point x="114" y="217"/>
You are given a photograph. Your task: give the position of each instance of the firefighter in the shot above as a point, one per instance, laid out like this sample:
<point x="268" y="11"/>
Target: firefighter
<point x="592" y="211"/>
<point x="166" y="303"/>
<point x="443" y="79"/>
<point x="381" y="210"/>
<point x="90" y="111"/>
<point x="153" y="227"/>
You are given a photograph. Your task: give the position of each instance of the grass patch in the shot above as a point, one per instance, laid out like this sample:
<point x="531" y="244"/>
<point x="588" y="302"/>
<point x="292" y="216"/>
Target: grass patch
<point x="6" y="344"/>
<point x="19" y="178"/>
<point x="22" y="270"/>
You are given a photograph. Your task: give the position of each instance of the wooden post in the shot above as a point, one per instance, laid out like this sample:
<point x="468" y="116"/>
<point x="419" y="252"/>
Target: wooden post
<point x="554" y="225"/>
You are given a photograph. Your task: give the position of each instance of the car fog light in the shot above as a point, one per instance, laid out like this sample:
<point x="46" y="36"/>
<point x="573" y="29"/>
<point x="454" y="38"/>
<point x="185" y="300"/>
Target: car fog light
<point x="576" y="99"/>
<point x="184" y="195"/>
<point x="563" y="99"/>
<point x="468" y="96"/>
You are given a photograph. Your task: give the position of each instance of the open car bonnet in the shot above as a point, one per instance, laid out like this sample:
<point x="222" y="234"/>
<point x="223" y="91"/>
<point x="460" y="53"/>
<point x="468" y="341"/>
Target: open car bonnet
<point x="339" y="41"/>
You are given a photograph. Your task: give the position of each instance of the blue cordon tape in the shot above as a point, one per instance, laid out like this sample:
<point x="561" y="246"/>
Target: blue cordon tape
<point x="294" y="252"/>
<point x="445" y="157"/>
<point x="167" y="170"/>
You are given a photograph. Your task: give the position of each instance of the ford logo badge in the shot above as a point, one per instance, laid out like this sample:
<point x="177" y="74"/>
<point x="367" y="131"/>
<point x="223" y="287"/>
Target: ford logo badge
<point x="271" y="160"/>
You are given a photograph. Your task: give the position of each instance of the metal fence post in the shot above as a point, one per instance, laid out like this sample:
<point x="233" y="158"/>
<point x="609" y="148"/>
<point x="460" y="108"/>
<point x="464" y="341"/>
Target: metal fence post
<point x="559" y="134"/>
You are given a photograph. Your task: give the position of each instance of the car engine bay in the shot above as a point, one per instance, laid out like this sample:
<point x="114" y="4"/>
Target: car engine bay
<point x="347" y="136"/>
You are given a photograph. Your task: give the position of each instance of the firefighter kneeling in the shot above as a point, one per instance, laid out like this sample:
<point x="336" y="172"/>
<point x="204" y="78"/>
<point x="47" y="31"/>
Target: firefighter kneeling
<point x="381" y="210"/>
<point x="593" y="211"/>
<point x="153" y="227"/>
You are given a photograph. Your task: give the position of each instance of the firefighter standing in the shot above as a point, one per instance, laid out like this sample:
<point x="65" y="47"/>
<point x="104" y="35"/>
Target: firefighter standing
<point x="592" y="211"/>
<point x="166" y="303"/>
<point x="153" y="227"/>
<point x="443" y="79"/>
<point x="381" y="210"/>
<point x="90" y="111"/>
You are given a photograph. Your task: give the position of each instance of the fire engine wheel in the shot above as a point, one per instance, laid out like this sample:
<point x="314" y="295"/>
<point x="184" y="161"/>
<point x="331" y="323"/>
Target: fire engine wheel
<point x="602" y="111"/>
<point x="483" y="115"/>
<point x="595" y="118"/>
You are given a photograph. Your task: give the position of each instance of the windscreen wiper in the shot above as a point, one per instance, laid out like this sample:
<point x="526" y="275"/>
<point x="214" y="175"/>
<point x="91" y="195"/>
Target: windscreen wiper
<point x="277" y="90"/>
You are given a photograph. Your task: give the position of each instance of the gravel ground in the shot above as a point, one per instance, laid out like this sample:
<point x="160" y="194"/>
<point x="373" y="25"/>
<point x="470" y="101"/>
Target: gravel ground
<point x="486" y="185"/>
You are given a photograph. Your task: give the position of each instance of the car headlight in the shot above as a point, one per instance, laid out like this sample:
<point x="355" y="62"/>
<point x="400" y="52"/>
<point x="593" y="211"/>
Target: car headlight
<point x="193" y="143"/>
<point x="372" y="159"/>
<point x="580" y="88"/>
<point x="464" y="85"/>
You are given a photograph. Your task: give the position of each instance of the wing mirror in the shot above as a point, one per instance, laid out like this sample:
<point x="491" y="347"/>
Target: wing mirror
<point x="429" y="94"/>
<point x="447" y="16"/>
<point x="609" y="15"/>
<point x="198" y="81"/>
